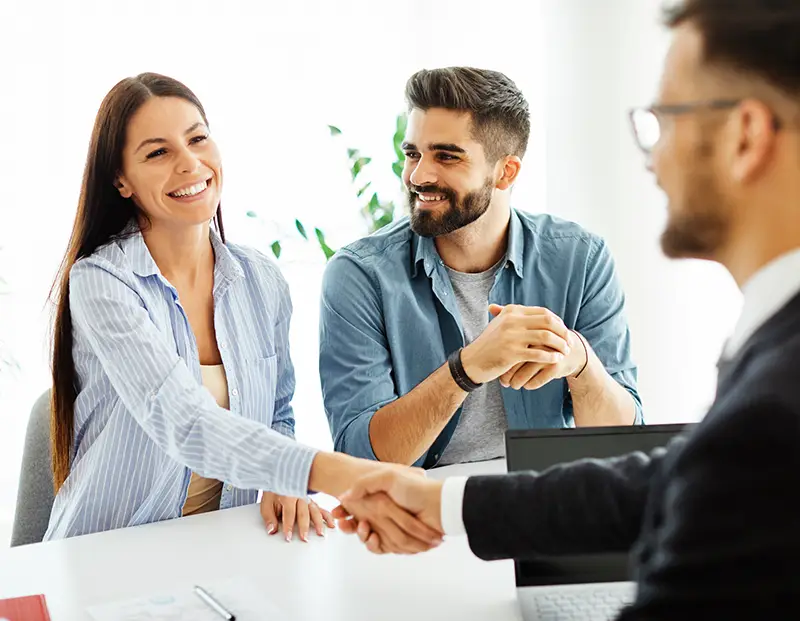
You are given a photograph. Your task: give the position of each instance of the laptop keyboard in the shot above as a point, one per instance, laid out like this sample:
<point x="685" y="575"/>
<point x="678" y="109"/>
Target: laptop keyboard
<point x="600" y="603"/>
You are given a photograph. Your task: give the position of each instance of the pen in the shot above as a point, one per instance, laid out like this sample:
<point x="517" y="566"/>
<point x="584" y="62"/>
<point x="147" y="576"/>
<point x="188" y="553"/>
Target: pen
<point x="214" y="604"/>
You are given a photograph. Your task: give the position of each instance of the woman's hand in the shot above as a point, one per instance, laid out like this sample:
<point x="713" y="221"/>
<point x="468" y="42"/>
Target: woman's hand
<point x="281" y="513"/>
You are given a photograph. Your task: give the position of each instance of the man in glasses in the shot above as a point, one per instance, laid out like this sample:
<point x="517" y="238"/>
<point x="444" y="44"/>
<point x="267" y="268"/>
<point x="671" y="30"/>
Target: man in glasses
<point x="713" y="519"/>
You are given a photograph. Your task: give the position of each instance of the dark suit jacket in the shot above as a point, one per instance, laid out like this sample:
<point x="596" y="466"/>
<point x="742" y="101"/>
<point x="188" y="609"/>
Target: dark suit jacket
<point x="712" y="521"/>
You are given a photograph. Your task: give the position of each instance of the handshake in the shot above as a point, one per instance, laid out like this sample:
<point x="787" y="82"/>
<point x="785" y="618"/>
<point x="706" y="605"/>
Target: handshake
<point x="395" y="510"/>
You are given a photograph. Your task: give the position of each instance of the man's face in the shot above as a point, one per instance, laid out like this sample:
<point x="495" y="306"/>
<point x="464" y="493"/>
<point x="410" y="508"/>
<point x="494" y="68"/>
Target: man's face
<point x="449" y="182"/>
<point x="686" y="160"/>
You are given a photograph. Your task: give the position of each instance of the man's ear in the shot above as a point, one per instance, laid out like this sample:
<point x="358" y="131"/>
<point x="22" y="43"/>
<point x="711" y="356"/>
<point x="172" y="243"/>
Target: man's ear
<point x="510" y="167"/>
<point x="122" y="187"/>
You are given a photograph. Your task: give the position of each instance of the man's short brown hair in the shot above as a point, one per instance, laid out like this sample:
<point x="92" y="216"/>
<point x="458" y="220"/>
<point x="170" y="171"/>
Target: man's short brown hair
<point x="500" y="114"/>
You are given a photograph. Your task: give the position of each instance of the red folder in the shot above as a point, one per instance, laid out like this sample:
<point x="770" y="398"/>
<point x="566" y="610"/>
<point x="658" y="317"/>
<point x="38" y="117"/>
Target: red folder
<point x="31" y="608"/>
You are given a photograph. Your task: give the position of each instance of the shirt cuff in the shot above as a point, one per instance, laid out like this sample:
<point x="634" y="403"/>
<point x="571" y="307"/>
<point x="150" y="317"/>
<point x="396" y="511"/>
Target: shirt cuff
<point x="453" y="506"/>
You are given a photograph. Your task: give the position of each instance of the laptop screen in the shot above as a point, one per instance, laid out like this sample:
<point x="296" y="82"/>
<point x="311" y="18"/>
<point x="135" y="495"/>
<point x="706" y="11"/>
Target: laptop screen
<point x="538" y="449"/>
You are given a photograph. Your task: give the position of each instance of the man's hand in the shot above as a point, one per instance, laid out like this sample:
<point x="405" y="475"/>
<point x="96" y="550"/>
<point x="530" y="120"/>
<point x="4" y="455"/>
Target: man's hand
<point x="385" y="527"/>
<point x="408" y="491"/>
<point x="531" y="376"/>
<point x="518" y="335"/>
<point x="288" y="512"/>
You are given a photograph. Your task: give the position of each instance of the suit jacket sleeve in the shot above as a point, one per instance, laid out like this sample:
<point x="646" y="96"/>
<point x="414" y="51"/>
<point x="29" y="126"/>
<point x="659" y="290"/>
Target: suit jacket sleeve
<point x="588" y="506"/>
<point x="730" y="536"/>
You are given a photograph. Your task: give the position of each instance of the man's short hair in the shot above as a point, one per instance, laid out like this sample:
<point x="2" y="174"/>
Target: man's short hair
<point x="500" y="114"/>
<point x="757" y="37"/>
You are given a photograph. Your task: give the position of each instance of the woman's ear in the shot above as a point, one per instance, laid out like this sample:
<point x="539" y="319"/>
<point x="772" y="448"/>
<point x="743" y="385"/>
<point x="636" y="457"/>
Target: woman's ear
<point x="123" y="188"/>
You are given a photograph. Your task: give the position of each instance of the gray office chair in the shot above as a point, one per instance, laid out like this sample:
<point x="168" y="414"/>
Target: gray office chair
<point x="35" y="495"/>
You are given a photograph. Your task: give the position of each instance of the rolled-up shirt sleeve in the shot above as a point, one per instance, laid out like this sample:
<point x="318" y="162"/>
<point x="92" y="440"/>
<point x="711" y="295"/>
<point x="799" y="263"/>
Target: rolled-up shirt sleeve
<point x="355" y="363"/>
<point x="603" y="323"/>
<point x="164" y="398"/>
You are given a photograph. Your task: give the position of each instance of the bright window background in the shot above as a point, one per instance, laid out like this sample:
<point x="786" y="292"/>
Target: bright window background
<point x="272" y="76"/>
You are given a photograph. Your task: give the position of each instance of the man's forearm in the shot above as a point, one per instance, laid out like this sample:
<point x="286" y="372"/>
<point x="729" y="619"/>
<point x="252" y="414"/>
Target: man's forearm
<point x="597" y="399"/>
<point x="403" y="430"/>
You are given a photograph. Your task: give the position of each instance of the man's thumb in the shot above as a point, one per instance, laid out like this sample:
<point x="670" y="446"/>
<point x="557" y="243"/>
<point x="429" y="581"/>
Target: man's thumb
<point x="495" y="309"/>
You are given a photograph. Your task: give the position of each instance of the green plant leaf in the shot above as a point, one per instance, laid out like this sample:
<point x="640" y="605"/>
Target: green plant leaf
<point x="397" y="169"/>
<point x="252" y="214"/>
<point x="358" y="166"/>
<point x="352" y="154"/>
<point x="335" y="131"/>
<point x="397" y="144"/>
<point x="374" y="203"/>
<point x="384" y="220"/>
<point x="326" y="249"/>
<point x="276" y="249"/>
<point x="301" y="229"/>
<point x="364" y="189"/>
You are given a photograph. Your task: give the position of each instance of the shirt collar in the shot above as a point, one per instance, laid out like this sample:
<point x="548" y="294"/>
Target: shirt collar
<point x="426" y="252"/>
<point x="142" y="263"/>
<point x="769" y="290"/>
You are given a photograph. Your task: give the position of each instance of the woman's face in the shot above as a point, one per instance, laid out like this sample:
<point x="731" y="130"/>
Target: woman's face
<point x="170" y="165"/>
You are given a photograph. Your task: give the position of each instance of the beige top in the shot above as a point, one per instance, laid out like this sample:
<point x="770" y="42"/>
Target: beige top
<point x="204" y="494"/>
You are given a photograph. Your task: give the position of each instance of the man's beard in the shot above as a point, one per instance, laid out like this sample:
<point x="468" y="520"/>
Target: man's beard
<point x="701" y="226"/>
<point x="459" y="213"/>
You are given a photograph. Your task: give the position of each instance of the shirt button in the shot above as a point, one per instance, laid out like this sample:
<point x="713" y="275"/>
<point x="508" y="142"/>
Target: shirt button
<point x="229" y="488"/>
<point x="235" y="392"/>
<point x="223" y="345"/>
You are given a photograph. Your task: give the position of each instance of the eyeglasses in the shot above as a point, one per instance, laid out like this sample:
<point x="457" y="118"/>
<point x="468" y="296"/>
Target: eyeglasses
<point x="646" y="122"/>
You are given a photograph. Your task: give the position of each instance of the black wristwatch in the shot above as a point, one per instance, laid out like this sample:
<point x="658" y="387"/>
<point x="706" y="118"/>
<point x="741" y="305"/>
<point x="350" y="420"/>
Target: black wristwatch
<point x="459" y="374"/>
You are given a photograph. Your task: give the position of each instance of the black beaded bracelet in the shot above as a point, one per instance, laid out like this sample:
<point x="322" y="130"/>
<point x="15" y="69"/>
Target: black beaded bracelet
<point x="459" y="374"/>
<point x="586" y="350"/>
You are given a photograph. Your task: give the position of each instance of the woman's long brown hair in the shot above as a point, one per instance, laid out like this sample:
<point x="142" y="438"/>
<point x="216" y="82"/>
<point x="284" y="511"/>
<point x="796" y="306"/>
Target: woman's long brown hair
<point x="102" y="216"/>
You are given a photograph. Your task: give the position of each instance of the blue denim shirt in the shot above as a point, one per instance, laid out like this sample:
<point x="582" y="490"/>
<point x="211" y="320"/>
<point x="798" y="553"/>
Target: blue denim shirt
<point x="389" y="319"/>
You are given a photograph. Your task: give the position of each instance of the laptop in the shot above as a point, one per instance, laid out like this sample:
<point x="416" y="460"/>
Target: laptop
<point x="580" y="587"/>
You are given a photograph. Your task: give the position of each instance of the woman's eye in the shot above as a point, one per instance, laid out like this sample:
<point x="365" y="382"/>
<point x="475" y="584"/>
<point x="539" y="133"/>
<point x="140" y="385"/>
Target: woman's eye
<point x="156" y="153"/>
<point x="197" y="139"/>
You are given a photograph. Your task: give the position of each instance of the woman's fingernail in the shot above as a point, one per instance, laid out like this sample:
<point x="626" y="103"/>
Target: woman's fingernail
<point x="289" y="536"/>
<point x="271" y="529"/>
<point x="304" y="538"/>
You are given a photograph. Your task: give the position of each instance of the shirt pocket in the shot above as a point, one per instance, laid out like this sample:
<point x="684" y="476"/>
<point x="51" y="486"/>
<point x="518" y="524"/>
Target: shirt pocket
<point x="259" y="380"/>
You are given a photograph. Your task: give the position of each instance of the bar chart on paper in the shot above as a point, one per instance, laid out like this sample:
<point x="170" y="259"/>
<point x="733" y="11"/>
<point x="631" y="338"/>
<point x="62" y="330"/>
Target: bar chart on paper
<point x="239" y="595"/>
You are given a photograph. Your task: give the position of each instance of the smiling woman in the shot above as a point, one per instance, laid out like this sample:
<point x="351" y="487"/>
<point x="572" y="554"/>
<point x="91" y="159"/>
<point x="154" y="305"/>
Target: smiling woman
<point x="172" y="379"/>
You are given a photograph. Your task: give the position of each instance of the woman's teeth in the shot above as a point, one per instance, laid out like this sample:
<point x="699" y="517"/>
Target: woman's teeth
<point x="190" y="191"/>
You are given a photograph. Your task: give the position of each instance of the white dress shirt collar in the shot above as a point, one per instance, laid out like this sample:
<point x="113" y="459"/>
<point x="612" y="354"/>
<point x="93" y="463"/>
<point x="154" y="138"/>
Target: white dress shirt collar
<point x="769" y="290"/>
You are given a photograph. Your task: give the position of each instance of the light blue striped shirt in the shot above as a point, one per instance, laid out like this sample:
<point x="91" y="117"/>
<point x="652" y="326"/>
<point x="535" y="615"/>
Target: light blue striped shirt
<point x="143" y="420"/>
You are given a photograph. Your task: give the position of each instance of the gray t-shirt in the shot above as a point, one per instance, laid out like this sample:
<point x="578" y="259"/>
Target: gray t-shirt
<point x="480" y="433"/>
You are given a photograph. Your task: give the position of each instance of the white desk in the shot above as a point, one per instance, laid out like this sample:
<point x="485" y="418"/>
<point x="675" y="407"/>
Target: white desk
<point x="332" y="578"/>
